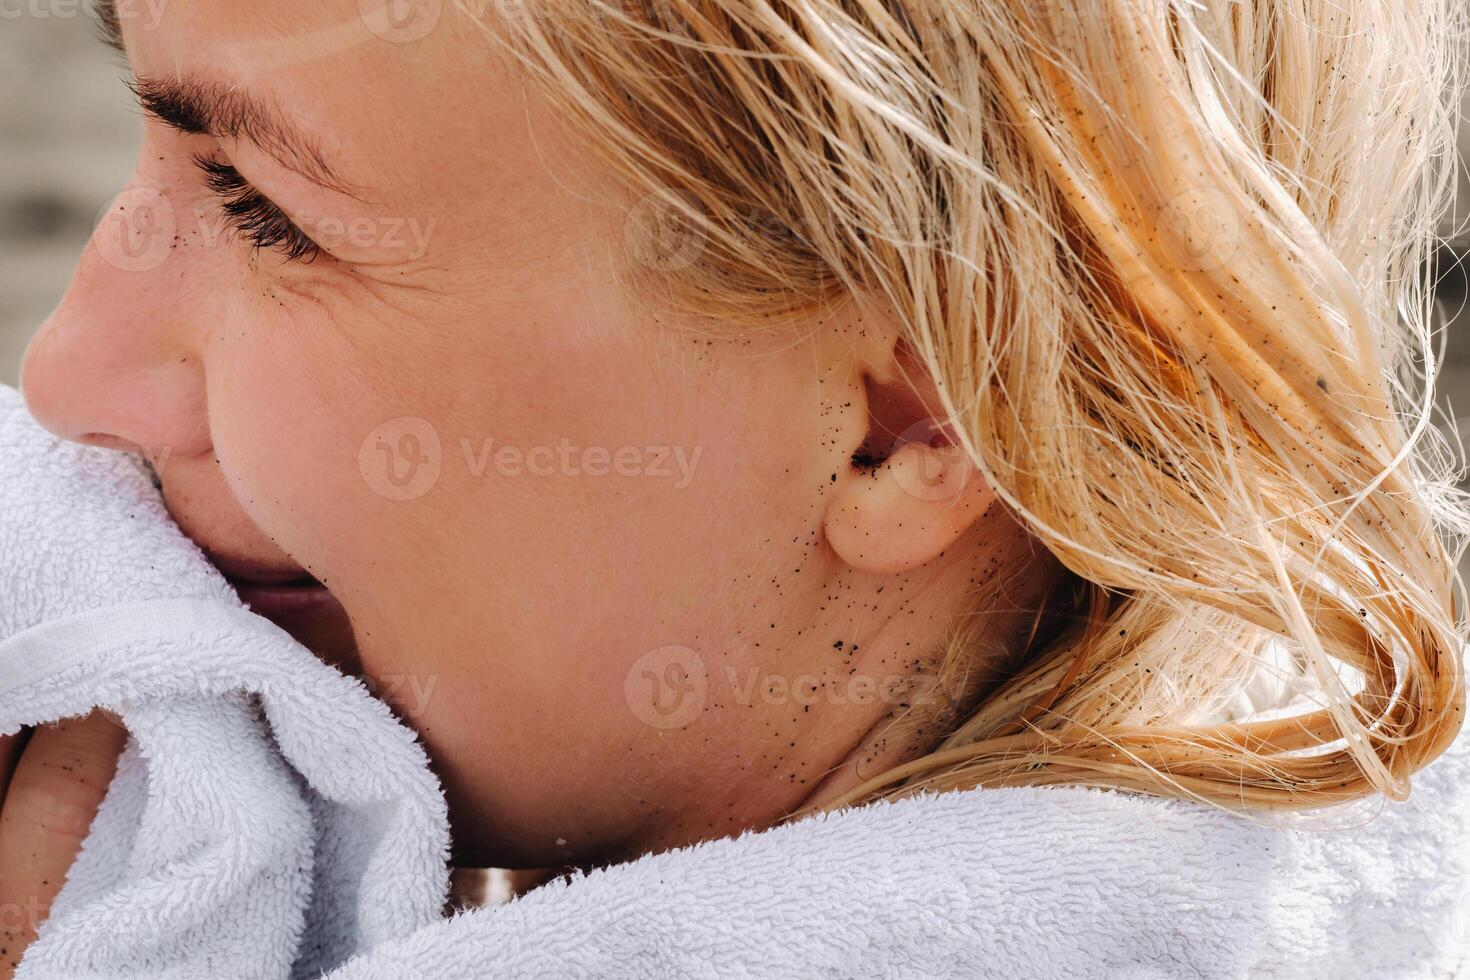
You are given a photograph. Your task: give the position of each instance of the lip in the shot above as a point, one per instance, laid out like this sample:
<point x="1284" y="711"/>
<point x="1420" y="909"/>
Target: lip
<point x="277" y="588"/>
<point x="278" y="602"/>
<point x="249" y="571"/>
<point x="280" y="593"/>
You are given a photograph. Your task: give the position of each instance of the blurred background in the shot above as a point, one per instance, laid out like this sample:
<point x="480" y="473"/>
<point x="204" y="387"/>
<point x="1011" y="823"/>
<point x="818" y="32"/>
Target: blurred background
<point x="69" y="134"/>
<point x="68" y="138"/>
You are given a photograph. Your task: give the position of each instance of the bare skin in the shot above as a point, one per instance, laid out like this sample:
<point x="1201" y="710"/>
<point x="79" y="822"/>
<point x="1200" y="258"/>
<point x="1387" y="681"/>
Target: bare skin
<point x="539" y="609"/>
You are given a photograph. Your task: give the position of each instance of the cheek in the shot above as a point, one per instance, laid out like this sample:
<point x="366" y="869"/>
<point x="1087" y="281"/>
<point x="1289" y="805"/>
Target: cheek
<point x="517" y="515"/>
<point x="287" y="447"/>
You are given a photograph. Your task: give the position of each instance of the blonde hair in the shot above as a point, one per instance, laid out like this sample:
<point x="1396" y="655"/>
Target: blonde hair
<point x="1166" y="263"/>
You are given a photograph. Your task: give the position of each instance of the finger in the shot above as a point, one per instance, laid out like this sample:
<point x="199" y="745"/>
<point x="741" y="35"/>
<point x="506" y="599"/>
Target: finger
<point x="55" y="791"/>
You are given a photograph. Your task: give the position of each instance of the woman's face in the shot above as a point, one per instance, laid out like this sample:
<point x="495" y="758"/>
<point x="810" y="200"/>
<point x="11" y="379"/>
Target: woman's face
<point x="619" y="577"/>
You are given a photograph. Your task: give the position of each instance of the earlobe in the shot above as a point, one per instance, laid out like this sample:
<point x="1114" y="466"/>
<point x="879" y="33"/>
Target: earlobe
<point x="910" y="491"/>
<point x="906" y="511"/>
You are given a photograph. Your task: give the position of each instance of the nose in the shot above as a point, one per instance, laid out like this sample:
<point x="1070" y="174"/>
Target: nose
<point x="114" y="365"/>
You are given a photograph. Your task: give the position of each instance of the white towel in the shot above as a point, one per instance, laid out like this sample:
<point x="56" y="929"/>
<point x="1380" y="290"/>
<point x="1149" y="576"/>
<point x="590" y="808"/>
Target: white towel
<point x="269" y="818"/>
<point x="309" y="835"/>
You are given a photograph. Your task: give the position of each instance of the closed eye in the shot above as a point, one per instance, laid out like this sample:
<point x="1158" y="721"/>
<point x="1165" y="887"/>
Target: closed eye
<point x="253" y="216"/>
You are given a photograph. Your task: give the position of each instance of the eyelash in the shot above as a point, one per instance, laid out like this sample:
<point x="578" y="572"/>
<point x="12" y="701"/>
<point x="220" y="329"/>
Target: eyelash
<point x="252" y="215"/>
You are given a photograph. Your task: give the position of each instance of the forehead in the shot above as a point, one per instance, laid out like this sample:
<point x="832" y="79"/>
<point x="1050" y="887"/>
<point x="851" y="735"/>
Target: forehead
<point x="380" y="88"/>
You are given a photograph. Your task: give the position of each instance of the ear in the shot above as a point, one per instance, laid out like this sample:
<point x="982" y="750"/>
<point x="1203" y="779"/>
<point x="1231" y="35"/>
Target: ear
<point x="909" y="491"/>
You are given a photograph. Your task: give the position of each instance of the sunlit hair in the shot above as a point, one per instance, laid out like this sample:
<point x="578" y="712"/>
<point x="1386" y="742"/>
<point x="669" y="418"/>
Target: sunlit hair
<point x="1166" y="262"/>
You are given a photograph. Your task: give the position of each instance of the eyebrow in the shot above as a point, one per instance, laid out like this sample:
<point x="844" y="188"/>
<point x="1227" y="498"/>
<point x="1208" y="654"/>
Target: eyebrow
<point x="200" y="108"/>
<point x="111" y="24"/>
<point x="209" y="109"/>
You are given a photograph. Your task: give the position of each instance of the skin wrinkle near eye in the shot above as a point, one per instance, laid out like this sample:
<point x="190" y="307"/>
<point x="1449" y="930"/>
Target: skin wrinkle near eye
<point x="350" y="286"/>
<point x="352" y="290"/>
